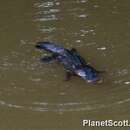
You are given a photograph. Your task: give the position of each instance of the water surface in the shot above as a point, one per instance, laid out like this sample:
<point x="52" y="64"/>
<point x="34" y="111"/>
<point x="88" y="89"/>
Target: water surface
<point x="34" y="95"/>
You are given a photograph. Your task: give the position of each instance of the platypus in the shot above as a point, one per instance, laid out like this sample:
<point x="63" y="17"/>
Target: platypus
<point x="73" y="63"/>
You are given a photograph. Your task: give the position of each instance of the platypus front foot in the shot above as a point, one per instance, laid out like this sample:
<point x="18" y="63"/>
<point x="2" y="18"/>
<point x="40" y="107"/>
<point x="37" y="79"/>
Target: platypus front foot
<point x="68" y="76"/>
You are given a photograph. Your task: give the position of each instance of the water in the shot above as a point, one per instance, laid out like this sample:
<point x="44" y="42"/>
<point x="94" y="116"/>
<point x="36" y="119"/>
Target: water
<point x="34" y="95"/>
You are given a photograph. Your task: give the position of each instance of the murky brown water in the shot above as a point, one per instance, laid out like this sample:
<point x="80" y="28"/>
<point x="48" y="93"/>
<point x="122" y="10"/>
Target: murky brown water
<point x="34" y="95"/>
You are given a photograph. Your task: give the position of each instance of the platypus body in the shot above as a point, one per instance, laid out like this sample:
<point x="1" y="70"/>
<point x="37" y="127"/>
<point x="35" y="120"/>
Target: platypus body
<point x="71" y="60"/>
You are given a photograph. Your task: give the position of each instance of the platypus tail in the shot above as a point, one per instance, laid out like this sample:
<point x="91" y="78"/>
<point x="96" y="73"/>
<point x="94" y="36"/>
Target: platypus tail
<point x="51" y="47"/>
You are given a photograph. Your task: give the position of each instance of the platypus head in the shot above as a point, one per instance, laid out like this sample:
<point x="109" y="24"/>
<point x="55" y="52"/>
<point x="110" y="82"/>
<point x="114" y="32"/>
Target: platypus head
<point x="89" y="74"/>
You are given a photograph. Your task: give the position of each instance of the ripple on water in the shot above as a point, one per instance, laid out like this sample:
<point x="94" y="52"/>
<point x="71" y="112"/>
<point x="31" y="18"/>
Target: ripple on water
<point x="62" y="107"/>
<point x="44" y="4"/>
<point x="50" y="106"/>
<point x="82" y="1"/>
<point x="51" y="17"/>
<point x="127" y="82"/>
<point x="24" y="62"/>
